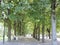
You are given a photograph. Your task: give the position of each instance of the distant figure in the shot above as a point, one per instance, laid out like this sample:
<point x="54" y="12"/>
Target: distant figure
<point x="14" y="37"/>
<point x="48" y="30"/>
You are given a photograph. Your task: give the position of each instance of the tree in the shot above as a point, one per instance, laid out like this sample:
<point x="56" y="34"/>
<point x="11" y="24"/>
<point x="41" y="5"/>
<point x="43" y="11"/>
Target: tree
<point x="53" y="17"/>
<point x="21" y="13"/>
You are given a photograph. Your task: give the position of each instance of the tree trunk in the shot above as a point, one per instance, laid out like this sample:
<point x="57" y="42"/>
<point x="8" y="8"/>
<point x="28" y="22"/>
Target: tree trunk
<point x="38" y="32"/>
<point x="4" y="32"/>
<point x="9" y="30"/>
<point x="53" y="17"/>
<point x="49" y="34"/>
<point x="48" y="30"/>
<point x="20" y="27"/>
<point x="9" y="25"/>
<point x="23" y="33"/>
<point x="34" y="30"/>
<point x="0" y="2"/>
<point x="15" y="28"/>
<point x="42" y="33"/>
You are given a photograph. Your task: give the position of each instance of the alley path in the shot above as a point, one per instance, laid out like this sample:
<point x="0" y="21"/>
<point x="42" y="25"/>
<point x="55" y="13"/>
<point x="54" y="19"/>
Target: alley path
<point x="28" y="41"/>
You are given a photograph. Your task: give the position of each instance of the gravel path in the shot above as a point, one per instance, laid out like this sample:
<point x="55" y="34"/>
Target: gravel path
<point x="28" y="41"/>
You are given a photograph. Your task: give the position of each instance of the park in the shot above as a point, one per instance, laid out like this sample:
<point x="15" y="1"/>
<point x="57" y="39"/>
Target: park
<point x="29" y="22"/>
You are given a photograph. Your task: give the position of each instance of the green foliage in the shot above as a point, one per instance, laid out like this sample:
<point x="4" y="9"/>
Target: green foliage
<point x="30" y="11"/>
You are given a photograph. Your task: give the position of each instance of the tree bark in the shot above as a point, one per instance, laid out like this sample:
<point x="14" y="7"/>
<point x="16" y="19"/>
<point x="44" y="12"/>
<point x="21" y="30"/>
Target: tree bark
<point x="34" y="30"/>
<point x="38" y="32"/>
<point x="4" y="32"/>
<point x="53" y="18"/>
<point x="0" y="2"/>
<point x="48" y="30"/>
<point x="15" y="28"/>
<point x="23" y="33"/>
<point x="20" y="27"/>
<point x="9" y="30"/>
<point x="49" y="34"/>
<point x="9" y="25"/>
<point x="42" y="33"/>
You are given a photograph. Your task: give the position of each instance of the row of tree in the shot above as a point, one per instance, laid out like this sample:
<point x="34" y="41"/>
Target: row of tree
<point x="39" y="12"/>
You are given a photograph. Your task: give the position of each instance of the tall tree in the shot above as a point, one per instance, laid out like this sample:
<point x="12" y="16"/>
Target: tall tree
<point x="14" y="28"/>
<point x="9" y="30"/>
<point x="53" y="17"/>
<point x="43" y="32"/>
<point x="9" y="23"/>
<point x="38" y="28"/>
<point x="0" y="2"/>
